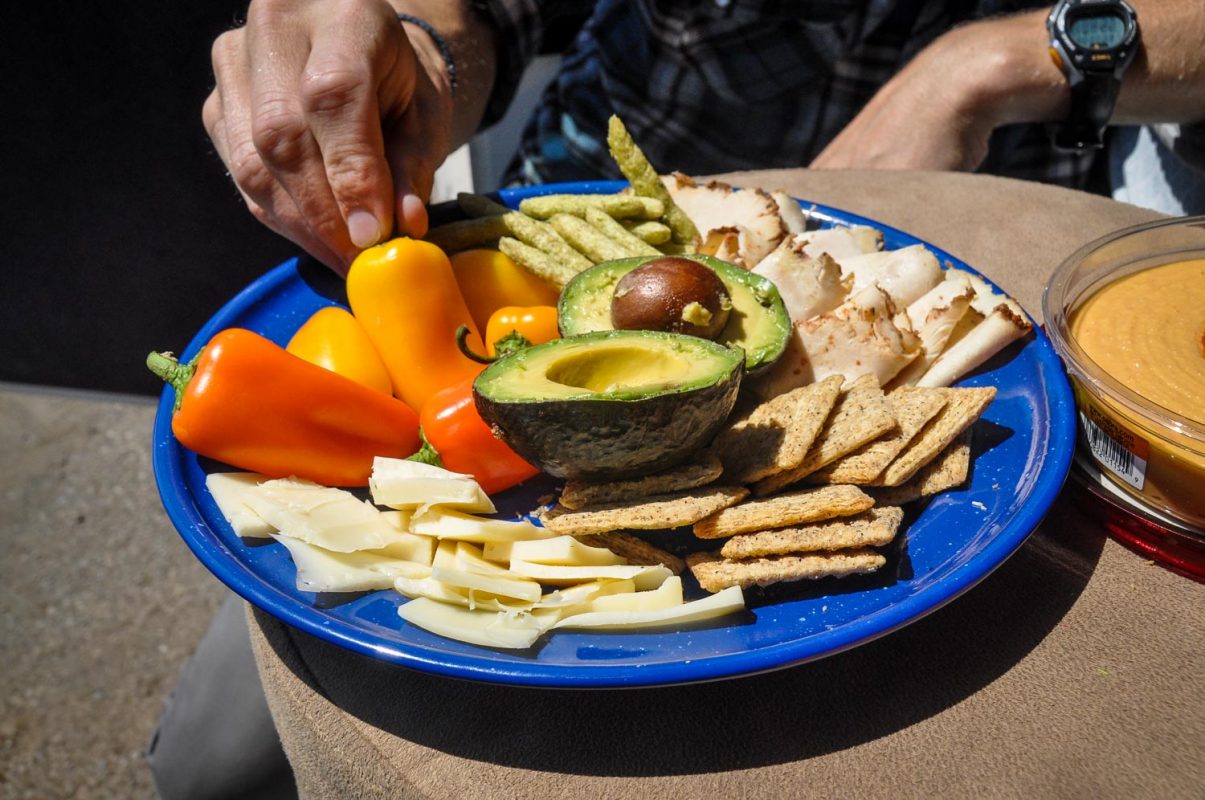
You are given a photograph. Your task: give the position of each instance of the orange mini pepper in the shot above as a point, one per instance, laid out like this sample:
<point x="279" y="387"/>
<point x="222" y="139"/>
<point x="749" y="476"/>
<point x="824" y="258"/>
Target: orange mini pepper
<point x="490" y="279"/>
<point x="247" y="402"/>
<point x="536" y="324"/>
<point x="466" y="444"/>
<point x="334" y="340"/>
<point x="404" y="294"/>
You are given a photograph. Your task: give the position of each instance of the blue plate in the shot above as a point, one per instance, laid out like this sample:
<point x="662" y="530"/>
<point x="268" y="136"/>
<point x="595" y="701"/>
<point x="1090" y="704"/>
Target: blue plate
<point x="1024" y="445"/>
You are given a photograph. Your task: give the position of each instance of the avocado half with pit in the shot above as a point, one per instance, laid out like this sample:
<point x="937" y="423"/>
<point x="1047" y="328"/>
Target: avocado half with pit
<point x="758" y="322"/>
<point x="611" y="404"/>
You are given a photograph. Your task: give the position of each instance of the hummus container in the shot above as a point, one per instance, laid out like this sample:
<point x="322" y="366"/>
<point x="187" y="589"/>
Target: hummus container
<point x="1127" y="315"/>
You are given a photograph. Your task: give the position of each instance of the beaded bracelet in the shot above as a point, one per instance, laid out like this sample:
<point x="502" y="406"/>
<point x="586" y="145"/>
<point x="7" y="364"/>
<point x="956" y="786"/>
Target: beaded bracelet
<point x="440" y="42"/>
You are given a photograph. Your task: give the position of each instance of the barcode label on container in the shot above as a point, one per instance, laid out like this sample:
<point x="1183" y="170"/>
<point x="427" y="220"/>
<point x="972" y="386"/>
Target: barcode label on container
<point x="1113" y="455"/>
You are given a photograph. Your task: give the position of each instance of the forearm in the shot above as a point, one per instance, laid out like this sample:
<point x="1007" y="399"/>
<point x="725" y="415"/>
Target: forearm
<point x="1008" y="75"/>
<point x="471" y="41"/>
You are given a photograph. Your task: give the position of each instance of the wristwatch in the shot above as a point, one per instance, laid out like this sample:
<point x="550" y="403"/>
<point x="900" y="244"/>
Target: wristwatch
<point x="1092" y="42"/>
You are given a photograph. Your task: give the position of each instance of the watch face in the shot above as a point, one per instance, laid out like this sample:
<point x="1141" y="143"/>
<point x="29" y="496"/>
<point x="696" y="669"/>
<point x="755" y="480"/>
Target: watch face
<point x="1097" y="31"/>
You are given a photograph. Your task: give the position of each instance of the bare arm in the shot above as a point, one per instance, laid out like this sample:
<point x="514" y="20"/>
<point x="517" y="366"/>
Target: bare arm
<point x="938" y="112"/>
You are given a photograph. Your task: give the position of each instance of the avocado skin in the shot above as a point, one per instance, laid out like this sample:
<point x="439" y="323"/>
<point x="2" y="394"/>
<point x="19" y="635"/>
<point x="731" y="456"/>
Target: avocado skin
<point x="581" y="303"/>
<point x="612" y="439"/>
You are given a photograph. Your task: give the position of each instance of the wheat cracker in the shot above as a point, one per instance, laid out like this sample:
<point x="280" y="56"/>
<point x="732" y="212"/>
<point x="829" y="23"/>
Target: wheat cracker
<point x="714" y="573"/>
<point x="784" y="510"/>
<point x="653" y="513"/>
<point x="700" y="471"/>
<point x="635" y="550"/>
<point x="860" y="415"/>
<point x="913" y="407"/>
<point x="777" y="434"/>
<point x="872" y="528"/>
<point x="963" y="407"/>
<point x="948" y="471"/>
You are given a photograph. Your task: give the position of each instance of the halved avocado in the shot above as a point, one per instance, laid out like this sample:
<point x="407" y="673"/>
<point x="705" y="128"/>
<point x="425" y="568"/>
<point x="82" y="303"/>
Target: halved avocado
<point x="611" y="404"/>
<point x="758" y="323"/>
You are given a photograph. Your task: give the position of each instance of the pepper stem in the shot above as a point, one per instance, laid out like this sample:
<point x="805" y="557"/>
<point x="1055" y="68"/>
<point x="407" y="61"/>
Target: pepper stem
<point x="510" y="343"/>
<point x="427" y="454"/>
<point x="462" y="336"/>
<point x="175" y="374"/>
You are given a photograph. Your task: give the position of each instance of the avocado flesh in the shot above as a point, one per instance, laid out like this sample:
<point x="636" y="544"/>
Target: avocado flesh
<point x="610" y="404"/>
<point x="758" y="322"/>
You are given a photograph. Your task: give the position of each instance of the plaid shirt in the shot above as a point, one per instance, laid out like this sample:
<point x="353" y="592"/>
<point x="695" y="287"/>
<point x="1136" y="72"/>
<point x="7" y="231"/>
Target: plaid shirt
<point x="727" y="84"/>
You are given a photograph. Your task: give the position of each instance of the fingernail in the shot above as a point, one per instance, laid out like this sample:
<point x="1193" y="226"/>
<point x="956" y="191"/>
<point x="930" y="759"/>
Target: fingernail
<point x="363" y="228"/>
<point x="414" y="212"/>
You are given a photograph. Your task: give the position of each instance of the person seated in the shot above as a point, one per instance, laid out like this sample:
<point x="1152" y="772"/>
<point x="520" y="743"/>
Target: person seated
<point x="332" y="115"/>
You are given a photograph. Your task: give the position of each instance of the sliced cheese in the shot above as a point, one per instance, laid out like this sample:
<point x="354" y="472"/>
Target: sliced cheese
<point x="409" y="546"/>
<point x="320" y="570"/>
<point x="228" y="490"/>
<point x="563" y="551"/>
<point x="445" y="555"/>
<point x="507" y="629"/>
<point x="501" y="585"/>
<point x="330" y="518"/>
<point x="581" y="593"/>
<point x="719" y="604"/>
<point x="667" y="595"/>
<point x="438" y="590"/>
<point x="446" y="523"/>
<point x="645" y="577"/>
<point x="469" y="558"/>
<point x="402" y="484"/>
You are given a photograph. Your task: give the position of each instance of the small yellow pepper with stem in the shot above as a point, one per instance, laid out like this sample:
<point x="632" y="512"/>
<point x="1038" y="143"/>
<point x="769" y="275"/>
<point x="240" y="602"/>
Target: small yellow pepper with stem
<point x="405" y="295"/>
<point x="490" y="280"/>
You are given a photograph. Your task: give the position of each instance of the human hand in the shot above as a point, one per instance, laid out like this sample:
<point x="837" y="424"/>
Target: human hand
<point x="331" y="120"/>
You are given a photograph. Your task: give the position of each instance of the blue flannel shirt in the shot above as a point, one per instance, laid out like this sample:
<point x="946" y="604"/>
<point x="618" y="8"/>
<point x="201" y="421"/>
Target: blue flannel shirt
<point x="723" y="85"/>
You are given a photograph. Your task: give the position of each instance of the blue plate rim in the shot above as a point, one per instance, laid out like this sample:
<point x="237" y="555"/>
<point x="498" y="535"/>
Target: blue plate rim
<point x="224" y="564"/>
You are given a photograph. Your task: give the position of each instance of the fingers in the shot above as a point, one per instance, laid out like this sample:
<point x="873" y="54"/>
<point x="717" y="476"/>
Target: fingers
<point x="420" y="143"/>
<point x="328" y="122"/>
<point x="226" y="115"/>
<point x="280" y="132"/>
<point x="342" y="94"/>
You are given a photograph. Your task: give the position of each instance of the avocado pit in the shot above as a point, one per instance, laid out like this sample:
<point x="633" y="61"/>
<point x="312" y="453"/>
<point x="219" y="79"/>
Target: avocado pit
<point x="671" y="294"/>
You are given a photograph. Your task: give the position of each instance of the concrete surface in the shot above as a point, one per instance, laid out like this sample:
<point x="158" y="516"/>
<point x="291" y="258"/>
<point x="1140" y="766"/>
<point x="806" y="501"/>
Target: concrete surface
<point x="100" y="601"/>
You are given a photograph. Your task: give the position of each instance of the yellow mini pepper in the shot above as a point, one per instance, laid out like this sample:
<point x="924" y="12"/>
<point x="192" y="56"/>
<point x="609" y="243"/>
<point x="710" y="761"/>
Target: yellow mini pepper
<point x="536" y="324"/>
<point x="334" y="340"/>
<point x="405" y="295"/>
<point x="490" y="280"/>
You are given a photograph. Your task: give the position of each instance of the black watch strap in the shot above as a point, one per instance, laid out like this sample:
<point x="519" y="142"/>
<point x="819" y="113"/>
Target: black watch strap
<point x="1092" y="101"/>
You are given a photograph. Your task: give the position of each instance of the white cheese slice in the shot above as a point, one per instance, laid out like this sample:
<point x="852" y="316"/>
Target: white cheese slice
<point x="445" y="555"/>
<point x="719" y="604"/>
<point x="398" y="483"/>
<point x="409" y="546"/>
<point x="469" y="559"/>
<point x="228" y="490"/>
<point x="667" y="595"/>
<point x="580" y="593"/>
<point x="563" y="551"/>
<point x="508" y="629"/>
<point x="426" y="586"/>
<point x="320" y="570"/>
<point x="501" y="585"/>
<point x="645" y="577"/>
<point x="330" y="518"/>
<point x="446" y="523"/>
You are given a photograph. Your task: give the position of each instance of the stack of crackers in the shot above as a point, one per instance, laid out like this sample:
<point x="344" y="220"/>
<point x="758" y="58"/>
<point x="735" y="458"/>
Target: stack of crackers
<point x="805" y="485"/>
